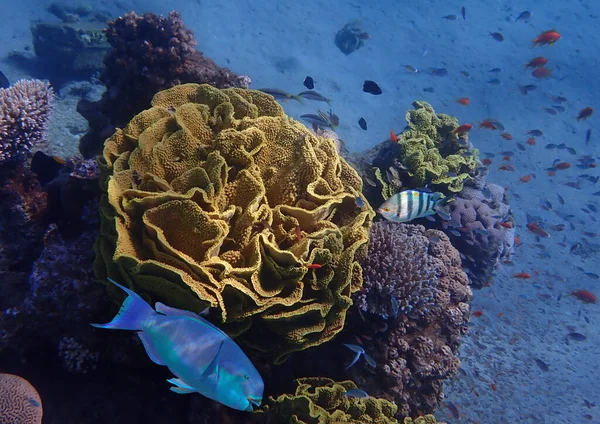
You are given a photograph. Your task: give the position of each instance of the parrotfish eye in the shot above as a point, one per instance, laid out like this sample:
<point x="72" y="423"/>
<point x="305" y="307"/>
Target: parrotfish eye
<point x="386" y="209"/>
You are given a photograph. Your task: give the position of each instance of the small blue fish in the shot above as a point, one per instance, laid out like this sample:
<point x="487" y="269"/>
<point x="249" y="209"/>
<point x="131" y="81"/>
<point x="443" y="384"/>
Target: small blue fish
<point x="412" y="204"/>
<point x="356" y="393"/>
<point x="359" y="351"/>
<point x="203" y="358"/>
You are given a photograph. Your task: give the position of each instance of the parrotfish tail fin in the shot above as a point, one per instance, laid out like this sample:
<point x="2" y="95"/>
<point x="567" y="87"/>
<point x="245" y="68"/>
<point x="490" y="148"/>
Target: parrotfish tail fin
<point x="133" y="312"/>
<point x="441" y="208"/>
<point x="299" y="99"/>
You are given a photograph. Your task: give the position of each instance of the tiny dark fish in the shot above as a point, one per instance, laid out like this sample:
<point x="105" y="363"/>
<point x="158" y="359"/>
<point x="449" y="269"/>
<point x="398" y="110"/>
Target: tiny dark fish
<point x="560" y="199"/>
<point x="551" y="146"/>
<point x="450" y="17"/>
<point x="542" y="365"/>
<point x="495" y="81"/>
<point x="588" y="136"/>
<point x="521" y="147"/>
<point x="592" y="275"/>
<point x="558" y="108"/>
<point x="497" y="36"/>
<point x="550" y="111"/>
<point x="463" y="13"/>
<point x="439" y="72"/>
<point x="309" y="83"/>
<point x="371" y="87"/>
<point x="535" y="133"/>
<point x="571" y="150"/>
<point x="524" y="89"/>
<point x="465" y="74"/>
<point x="428" y="89"/>
<point x="4" y="82"/>
<point x="362" y="123"/>
<point x="495" y="70"/>
<point x="524" y="16"/>
<point x="578" y="337"/>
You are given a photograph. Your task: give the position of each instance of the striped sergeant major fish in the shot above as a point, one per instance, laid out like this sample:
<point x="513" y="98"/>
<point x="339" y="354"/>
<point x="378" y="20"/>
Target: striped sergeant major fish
<point x="412" y="204"/>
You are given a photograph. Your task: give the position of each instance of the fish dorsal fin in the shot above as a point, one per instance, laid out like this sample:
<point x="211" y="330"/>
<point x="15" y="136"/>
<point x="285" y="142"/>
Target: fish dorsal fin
<point x="212" y="370"/>
<point x="174" y="312"/>
<point x="150" y="348"/>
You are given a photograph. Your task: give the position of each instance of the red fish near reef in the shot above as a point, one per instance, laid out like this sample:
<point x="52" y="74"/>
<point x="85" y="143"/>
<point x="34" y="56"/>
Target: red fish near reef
<point x="486" y="161"/>
<point x="536" y="62"/>
<point x="486" y="123"/>
<point x="562" y="165"/>
<point x="531" y="141"/>
<point x="465" y="101"/>
<point x="525" y="179"/>
<point x="585" y="113"/>
<point x="522" y="275"/>
<point x="537" y="230"/>
<point x="585" y="296"/>
<point x="541" y="72"/>
<point x="393" y="136"/>
<point x="547" y="37"/>
<point x="463" y="129"/>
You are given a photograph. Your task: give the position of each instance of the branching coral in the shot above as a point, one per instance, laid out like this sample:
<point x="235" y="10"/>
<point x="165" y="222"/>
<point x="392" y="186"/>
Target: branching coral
<point x="25" y="109"/>
<point x="215" y="196"/>
<point x="481" y="239"/>
<point x="19" y="401"/>
<point x="323" y="401"/>
<point x="416" y="350"/>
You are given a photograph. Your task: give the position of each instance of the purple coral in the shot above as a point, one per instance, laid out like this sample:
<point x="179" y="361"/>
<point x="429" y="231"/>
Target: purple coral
<point x="409" y="275"/>
<point x="482" y="241"/>
<point x="149" y="53"/>
<point x="24" y="113"/>
<point x="416" y="351"/>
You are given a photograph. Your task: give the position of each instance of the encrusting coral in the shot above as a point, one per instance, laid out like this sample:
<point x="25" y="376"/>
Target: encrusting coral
<point x="216" y="197"/>
<point x="25" y="109"/>
<point x="320" y="400"/>
<point x="414" y="343"/>
<point x="19" y="401"/>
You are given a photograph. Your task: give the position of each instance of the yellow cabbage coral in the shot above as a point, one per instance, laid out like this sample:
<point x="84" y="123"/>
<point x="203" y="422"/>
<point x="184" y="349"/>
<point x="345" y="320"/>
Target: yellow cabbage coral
<point x="217" y="197"/>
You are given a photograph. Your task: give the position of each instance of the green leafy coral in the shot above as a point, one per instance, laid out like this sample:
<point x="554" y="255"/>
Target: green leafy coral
<point x="320" y="400"/>
<point x="428" y="153"/>
<point x="215" y="197"/>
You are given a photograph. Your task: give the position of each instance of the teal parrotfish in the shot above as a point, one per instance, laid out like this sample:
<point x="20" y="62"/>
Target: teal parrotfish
<point x="412" y="204"/>
<point x="202" y="357"/>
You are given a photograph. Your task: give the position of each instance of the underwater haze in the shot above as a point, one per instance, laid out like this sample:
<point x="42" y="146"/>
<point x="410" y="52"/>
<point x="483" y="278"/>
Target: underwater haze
<point x="480" y="309"/>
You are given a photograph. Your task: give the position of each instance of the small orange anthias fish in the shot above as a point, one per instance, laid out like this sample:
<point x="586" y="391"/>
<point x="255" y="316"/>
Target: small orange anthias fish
<point x="562" y="165"/>
<point x="462" y="129"/>
<point x="486" y="161"/>
<point x="536" y="62"/>
<point x="506" y="136"/>
<point x="531" y="141"/>
<point x="537" y="230"/>
<point x="585" y="296"/>
<point x="477" y="313"/>
<point x="547" y="37"/>
<point x="486" y="123"/>
<point x="393" y="136"/>
<point x="526" y="178"/>
<point x="522" y="275"/>
<point x="541" y="72"/>
<point x="506" y="167"/>
<point x="585" y="113"/>
<point x="465" y="101"/>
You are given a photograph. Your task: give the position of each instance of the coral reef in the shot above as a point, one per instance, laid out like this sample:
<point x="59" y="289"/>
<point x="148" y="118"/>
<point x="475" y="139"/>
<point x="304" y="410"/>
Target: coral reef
<point x="25" y="108"/>
<point x="19" y="401"/>
<point x="217" y="197"/>
<point x="428" y="153"/>
<point x="426" y="419"/>
<point x="320" y="400"/>
<point x="415" y="350"/>
<point x="149" y="53"/>
<point x="482" y="241"/>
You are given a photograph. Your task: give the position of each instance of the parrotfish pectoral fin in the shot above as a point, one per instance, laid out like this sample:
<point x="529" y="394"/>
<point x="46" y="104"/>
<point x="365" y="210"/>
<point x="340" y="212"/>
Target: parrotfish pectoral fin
<point x="441" y="208"/>
<point x="174" y="312"/>
<point x="133" y="312"/>
<point x="212" y="370"/>
<point x="180" y="387"/>
<point x="150" y="348"/>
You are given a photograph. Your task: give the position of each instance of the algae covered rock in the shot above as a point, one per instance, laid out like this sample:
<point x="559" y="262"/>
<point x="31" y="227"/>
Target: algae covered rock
<point x="216" y="198"/>
<point x="320" y="400"/>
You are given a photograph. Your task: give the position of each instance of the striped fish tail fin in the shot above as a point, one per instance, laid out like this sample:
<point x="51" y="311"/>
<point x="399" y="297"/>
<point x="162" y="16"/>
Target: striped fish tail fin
<point x="441" y="208"/>
<point x="134" y="311"/>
